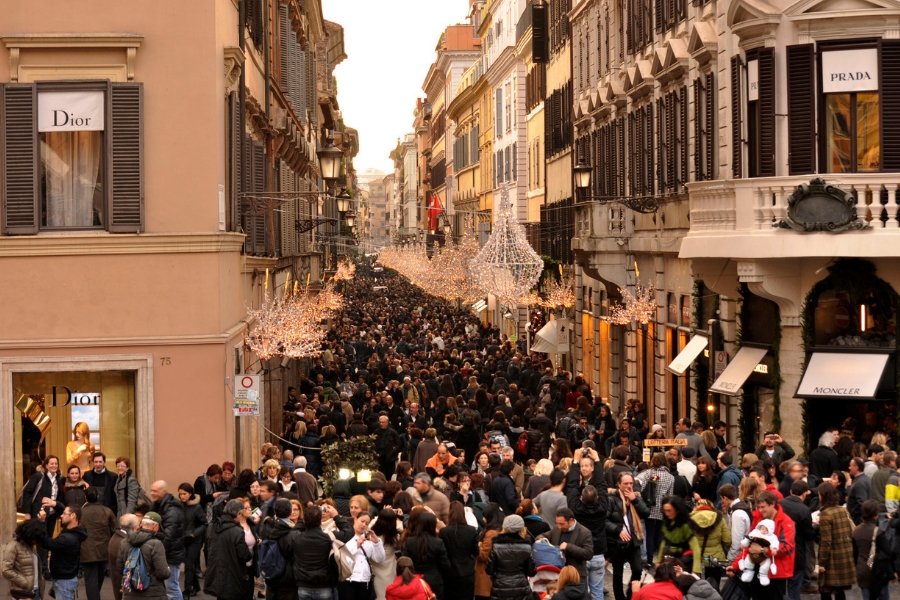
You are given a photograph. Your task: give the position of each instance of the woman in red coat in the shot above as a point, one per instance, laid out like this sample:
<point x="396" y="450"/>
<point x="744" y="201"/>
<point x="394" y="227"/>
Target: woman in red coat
<point x="408" y="585"/>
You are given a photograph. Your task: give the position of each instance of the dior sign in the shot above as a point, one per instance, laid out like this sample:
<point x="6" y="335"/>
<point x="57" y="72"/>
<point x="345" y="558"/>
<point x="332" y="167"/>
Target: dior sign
<point x="71" y="111"/>
<point x="850" y="71"/>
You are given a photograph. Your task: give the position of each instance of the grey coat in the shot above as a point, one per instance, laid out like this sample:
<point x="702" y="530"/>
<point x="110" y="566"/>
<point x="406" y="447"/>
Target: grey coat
<point x="155" y="559"/>
<point x="127" y="493"/>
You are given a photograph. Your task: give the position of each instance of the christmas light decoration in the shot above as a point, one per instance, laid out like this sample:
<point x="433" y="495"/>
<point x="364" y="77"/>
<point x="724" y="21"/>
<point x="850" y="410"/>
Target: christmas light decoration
<point x="507" y="266"/>
<point x="560" y="294"/>
<point x="345" y="271"/>
<point x="637" y="307"/>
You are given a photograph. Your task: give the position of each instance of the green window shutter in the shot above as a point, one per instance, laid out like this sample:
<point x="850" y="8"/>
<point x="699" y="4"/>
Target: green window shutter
<point x="126" y="143"/>
<point x="19" y="158"/>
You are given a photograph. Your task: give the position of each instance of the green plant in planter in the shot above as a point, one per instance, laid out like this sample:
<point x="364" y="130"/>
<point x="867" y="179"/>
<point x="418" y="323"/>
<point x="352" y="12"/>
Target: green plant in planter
<point x="354" y="454"/>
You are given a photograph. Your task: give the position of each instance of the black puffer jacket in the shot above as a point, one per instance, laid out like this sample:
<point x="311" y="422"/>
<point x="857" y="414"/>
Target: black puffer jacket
<point x="510" y="565"/>
<point x="282" y="532"/>
<point x="227" y="575"/>
<point x="172" y="512"/>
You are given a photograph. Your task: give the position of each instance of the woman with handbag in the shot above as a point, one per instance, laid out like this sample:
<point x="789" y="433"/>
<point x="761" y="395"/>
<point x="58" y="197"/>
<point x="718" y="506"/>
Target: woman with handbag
<point x="426" y="549"/>
<point x="873" y="573"/>
<point x="45" y="491"/>
<point x="367" y="549"/>
<point x="461" y="540"/>
<point x="21" y="565"/>
<point x="836" y="568"/>
<point x="624" y="534"/>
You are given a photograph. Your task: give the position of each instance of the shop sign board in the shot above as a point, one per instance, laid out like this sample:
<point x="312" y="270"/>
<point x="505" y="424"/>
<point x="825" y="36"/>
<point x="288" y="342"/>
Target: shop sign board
<point x="666" y="442"/>
<point x="246" y="395"/>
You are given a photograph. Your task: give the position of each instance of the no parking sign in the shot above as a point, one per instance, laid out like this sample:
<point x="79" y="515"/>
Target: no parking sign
<point x="246" y="395"/>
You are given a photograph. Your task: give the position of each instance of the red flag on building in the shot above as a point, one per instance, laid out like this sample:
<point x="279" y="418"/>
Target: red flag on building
<point x="434" y="211"/>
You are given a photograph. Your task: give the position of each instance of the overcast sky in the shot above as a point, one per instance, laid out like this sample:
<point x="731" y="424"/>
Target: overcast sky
<point x="390" y="45"/>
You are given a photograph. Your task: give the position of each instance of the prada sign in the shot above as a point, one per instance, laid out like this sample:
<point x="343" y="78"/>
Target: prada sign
<point x="850" y="71"/>
<point x="71" y="111"/>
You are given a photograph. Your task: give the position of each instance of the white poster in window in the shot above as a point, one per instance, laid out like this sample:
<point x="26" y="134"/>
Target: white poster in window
<point x="753" y="80"/>
<point x="850" y="70"/>
<point x="71" y="111"/>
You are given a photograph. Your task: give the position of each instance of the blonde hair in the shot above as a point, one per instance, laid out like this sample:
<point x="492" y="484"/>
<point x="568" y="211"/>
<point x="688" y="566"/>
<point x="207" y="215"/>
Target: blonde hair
<point x="543" y="467"/>
<point x="564" y="464"/>
<point x="299" y="505"/>
<point x="271" y="464"/>
<point x="85" y="430"/>
<point x="567" y="576"/>
<point x="363" y="503"/>
<point x="300" y="428"/>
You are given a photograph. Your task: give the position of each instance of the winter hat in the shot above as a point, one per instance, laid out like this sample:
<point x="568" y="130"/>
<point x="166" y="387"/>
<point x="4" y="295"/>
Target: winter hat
<point x="656" y="427"/>
<point x="513" y="524"/>
<point x="154" y="517"/>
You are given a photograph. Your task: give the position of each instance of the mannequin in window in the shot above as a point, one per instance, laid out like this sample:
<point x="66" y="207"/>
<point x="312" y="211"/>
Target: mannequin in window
<point x="80" y="450"/>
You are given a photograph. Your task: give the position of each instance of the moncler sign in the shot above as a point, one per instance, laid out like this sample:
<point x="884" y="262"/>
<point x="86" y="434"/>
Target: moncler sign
<point x="850" y="70"/>
<point x="71" y="111"/>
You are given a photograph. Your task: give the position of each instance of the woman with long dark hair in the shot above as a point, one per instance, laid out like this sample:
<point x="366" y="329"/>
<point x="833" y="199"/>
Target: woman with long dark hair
<point x="705" y="481"/>
<point x="678" y="539"/>
<point x="534" y="524"/>
<point x="385" y="527"/>
<point x="461" y="541"/>
<point x="407" y="585"/>
<point x="427" y="550"/>
<point x="492" y="522"/>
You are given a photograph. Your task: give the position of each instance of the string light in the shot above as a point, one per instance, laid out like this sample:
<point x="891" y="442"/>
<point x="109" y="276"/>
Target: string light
<point x="507" y="266"/>
<point x="636" y="307"/>
<point x="560" y="294"/>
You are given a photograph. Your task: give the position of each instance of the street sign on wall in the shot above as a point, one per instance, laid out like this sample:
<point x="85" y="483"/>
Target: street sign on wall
<point x="246" y="395"/>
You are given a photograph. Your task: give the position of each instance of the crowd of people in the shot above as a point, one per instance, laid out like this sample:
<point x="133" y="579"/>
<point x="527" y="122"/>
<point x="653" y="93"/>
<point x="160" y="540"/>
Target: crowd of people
<point x="498" y="476"/>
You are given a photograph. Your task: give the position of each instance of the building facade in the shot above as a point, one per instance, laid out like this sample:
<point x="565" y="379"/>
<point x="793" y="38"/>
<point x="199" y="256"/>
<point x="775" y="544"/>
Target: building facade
<point x="136" y="247"/>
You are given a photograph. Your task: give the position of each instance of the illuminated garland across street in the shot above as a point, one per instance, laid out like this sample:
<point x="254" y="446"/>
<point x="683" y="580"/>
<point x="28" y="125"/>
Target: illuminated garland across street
<point x="637" y="307"/>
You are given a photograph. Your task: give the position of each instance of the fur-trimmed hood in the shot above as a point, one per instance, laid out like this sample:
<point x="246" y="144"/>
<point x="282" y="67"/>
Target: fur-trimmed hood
<point x="193" y="500"/>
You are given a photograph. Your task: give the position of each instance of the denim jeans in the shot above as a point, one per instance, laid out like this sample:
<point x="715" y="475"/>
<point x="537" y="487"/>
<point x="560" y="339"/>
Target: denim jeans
<point x="596" y="570"/>
<point x="305" y="593"/>
<point x="173" y="586"/>
<point x="65" y="588"/>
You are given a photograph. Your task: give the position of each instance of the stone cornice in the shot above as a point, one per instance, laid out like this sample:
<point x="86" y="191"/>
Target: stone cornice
<point x="95" y="244"/>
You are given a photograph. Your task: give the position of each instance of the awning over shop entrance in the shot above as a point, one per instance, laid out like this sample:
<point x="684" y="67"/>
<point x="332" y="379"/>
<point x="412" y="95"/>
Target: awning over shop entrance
<point x="688" y="354"/>
<point x="843" y="375"/>
<point x="553" y="338"/>
<point x="738" y="370"/>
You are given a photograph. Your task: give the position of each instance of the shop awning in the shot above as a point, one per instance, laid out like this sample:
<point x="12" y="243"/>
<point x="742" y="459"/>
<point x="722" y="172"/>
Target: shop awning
<point x="842" y="375"/>
<point x="553" y="338"/>
<point x="688" y="354"/>
<point x="738" y="370"/>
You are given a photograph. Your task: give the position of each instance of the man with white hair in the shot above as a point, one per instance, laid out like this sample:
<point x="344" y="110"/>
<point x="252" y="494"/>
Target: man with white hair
<point x="154" y="555"/>
<point x="823" y="461"/>
<point x="172" y="513"/>
<point x="307" y="488"/>
<point x="128" y="523"/>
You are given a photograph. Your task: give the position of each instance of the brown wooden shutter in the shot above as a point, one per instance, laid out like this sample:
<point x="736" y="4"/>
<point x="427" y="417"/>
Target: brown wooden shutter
<point x="259" y="188"/>
<point x="126" y="135"/>
<point x="284" y="40"/>
<point x="649" y="188"/>
<point x="710" y="125"/>
<point x="699" y="126"/>
<point x="235" y="146"/>
<point x="737" y="109"/>
<point x="766" y="123"/>
<point x="890" y="105"/>
<point x="19" y="158"/>
<point x="801" y="78"/>
<point x="683" y="136"/>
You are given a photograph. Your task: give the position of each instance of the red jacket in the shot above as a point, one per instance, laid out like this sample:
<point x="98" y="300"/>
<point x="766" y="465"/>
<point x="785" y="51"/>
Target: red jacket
<point x="784" y="557"/>
<point x="414" y="590"/>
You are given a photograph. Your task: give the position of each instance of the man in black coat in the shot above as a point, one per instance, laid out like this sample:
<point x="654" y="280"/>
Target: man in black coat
<point x="312" y="567"/>
<point x="227" y="575"/>
<point x="280" y="529"/>
<point x="589" y="507"/>
<point x="796" y="508"/>
<point x="575" y="541"/>
<point x="388" y="445"/>
<point x="172" y="512"/>
<point x="102" y="480"/>
<point x="503" y="488"/>
<point x="859" y="491"/>
<point x="65" y="561"/>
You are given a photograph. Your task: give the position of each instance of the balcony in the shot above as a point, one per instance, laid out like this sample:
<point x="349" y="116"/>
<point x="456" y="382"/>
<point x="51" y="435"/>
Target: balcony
<point x="739" y="218"/>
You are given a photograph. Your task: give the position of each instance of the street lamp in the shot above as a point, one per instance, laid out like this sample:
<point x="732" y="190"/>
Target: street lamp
<point x="350" y="218"/>
<point x="582" y="172"/>
<point x="343" y="201"/>
<point x="329" y="161"/>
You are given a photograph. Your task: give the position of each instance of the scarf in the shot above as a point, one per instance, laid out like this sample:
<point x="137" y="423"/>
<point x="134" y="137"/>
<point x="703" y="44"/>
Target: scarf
<point x="634" y="519"/>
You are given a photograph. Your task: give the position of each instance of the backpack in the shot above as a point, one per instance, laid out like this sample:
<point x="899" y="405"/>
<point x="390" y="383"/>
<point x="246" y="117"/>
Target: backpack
<point x="546" y="554"/>
<point x="522" y="444"/>
<point x="135" y="576"/>
<point x="271" y="563"/>
<point x="562" y="428"/>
